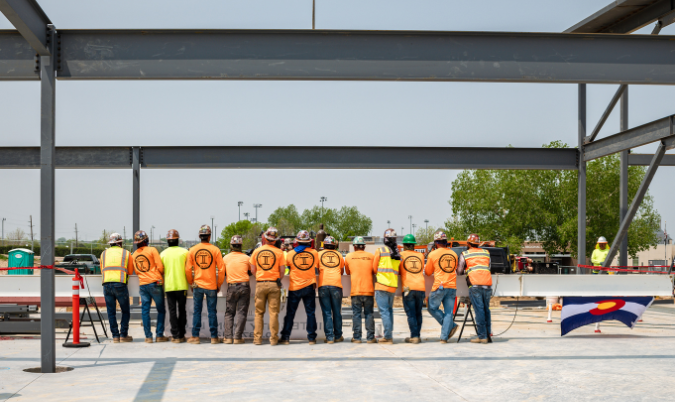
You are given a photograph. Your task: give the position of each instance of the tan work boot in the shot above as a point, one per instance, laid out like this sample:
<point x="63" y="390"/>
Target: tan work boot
<point x="116" y="340"/>
<point x="274" y="343"/>
<point x="228" y="341"/>
<point x="215" y="341"/>
<point x="340" y="339"/>
<point x="354" y="340"/>
<point x="194" y="340"/>
<point x="284" y="342"/>
<point x="412" y="340"/>
<point x="175" y="340"/>
<point x="443" y="341"/>
<point x="239" y="341"/>
<point x="385" y="341"/>
<point x="452" y="331"/>
<point x="477" y="340"/>
<point x="126" y="339"/>
<point x="161" y="339"/>
<point x="312" y="342"/>
<point x="148" y="340"/>
<point x="328" y="342"/>
<point x="371" y="340"/>
<point x="257" y="342"/>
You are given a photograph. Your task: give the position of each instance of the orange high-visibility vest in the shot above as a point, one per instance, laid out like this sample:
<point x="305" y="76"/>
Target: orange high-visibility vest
<point x="478" y="266"/>
<point x="114" y="263"/>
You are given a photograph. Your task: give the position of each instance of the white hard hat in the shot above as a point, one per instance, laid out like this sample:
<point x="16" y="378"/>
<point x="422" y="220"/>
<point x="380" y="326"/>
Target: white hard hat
<point x="602" y="239"/>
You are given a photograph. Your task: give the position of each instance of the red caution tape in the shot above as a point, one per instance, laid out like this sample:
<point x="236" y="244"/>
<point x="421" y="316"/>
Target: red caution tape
<point x="67" y="271"/>
<point x="627" y="269"/>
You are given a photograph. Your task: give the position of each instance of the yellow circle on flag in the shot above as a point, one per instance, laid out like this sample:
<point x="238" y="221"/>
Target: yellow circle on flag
<point x="606" y="305"/>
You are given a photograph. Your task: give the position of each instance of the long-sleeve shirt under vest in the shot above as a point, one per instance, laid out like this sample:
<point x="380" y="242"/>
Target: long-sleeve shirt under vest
<point x="149" y="267"/>
<point x="461" y="268"/>
<point x="203" y="259"/>
<point x="108" y="262"/>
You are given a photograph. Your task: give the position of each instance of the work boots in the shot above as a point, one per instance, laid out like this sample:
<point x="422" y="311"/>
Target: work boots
<point x="126" y="339"/>
<point x="178" y="340"/>
<point x="238" y="341"/>
<point x="194" y="340"/>
<point x="215" y="341"/>
<point x="340" y="339"/>
<point x="148" y="340"/>
<point x="478" y="340"/>
<point x="161" y="339"/>
<point x="228" y="341"/>
<point x="413" y="340"/>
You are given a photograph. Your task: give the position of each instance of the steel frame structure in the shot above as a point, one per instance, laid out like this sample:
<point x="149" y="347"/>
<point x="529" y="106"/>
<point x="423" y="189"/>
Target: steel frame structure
<point x="37" y="51"/>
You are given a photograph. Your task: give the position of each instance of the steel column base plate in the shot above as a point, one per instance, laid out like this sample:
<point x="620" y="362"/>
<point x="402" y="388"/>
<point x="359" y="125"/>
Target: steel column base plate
<point x="76" y="345"/>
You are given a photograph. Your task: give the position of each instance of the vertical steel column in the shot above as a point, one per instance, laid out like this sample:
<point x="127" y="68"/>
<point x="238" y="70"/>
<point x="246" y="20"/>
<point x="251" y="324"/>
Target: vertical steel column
<point x="623" y="186"/>
<point x="47" y="173"/>
<point x="136" y="165"/>
<point x="581" y="208"/>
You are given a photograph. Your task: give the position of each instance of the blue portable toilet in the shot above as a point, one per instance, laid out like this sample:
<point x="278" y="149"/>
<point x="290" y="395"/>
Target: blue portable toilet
<point x="21" y="257"/>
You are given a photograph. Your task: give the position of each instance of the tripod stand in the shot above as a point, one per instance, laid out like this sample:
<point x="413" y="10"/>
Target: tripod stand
<point x="467" y="302"/>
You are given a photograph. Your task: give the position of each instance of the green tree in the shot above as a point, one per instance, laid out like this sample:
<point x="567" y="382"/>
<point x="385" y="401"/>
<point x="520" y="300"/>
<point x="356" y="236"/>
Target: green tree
<point x="512" y="206"/>
<point x="286" y="219"/>
<point x="425" y="235"/>
<point x="247" y="230"/>
<point x="339" y="223"/>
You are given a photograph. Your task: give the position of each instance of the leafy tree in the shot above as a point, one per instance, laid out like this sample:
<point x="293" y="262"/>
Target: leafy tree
<point x="425" y="235"/>
<point x="247" y="230"/>
<point x="339" y="223"/>
<point x="512" y="206"/>
<point x="105" y="236"/>
<point x="286" y="219"/>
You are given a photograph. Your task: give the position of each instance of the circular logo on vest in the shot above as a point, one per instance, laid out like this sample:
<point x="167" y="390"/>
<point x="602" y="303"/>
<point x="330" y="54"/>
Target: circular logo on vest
<point x="203" y="258"/>
<point x="266" y="260"/>
<point x="330" y="259"/>
<point x="303" y="261"/>
<point x="414" y="264"/>
<point x="447" y="263"/>
<point x="142" y="263"/>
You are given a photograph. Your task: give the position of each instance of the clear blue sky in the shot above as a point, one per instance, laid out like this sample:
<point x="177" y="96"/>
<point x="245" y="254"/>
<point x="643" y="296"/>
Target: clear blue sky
<point x="295" y="113"/>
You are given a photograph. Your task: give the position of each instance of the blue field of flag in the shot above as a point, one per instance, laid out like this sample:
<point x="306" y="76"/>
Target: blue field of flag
<point x="580" y="311"/>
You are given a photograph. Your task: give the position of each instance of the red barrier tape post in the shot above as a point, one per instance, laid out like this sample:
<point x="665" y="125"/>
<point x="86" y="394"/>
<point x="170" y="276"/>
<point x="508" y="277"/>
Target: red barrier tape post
<point x="633" y="269"/>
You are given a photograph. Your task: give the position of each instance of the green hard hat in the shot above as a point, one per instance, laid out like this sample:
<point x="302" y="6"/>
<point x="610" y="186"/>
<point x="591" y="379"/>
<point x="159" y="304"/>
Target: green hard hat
<point x="358" y="240"/>
<point x="409" y="239"/>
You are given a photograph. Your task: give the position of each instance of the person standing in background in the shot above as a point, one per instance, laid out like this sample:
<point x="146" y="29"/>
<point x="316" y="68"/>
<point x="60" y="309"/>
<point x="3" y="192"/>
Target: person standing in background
<point x="331" y="265"/>
<point x="238" y="291"/>
<point x="175" y="285"/>
<point x="414" y="291"/>
<point x="150" y="271"/>
<point x="359" y="266"/>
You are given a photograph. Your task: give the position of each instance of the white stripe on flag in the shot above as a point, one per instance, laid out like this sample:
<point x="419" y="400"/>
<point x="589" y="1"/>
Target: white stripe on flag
<point x="574" y="309"/>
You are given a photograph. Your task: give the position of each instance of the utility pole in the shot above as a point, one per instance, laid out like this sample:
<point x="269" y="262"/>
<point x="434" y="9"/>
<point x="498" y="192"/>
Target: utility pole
<point x="256" y="206"/>
<point x="323" y="199"/>
<point x="426" y="224"/>
<point x="76" y="235"/>
<point x="414" y="226"/>
<point x="388" y="224"/>
<point x="402" y="229"/>
<point x="32" y="242"/>
<point x="212" y="217"/>
<point x="3" y="230"/>
<point x="152" y="233"/>
<point x="124" y="231"/>
<point x="246" y="215"/>
<point x="239" y="204"/>
<point x="410" y="217"/>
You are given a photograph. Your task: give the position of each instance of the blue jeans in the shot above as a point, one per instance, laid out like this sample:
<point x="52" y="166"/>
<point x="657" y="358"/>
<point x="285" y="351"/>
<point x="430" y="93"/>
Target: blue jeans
<point x="367" y="304"/>
<point x="413" y="304"/>
<point x="307" y="296"/>
<point x="480" y="298"/>
<point x="385" y="303"/>
<point x="330" y="299"/>
<point x="114" y="293"/>
<point x="447" y="298"/>
<point x="151" y="292"/>
<point x="211" y="300"/>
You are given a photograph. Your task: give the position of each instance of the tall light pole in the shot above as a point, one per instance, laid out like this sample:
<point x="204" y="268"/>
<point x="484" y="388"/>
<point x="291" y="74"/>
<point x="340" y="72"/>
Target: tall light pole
<point x="388" y="224"/>
<point x="323" y="199"/>
<point x="152" y="231"/>
<point x="246" y="215"/>
<point x="402" y="229"/>
<point x="3" y="230"/>
<point x="212" y="217"/>
<point x="410" y="217"/>
<point x="256" y="206"/>
<point x="414" y="226"/>
<point x="239" y="204"/>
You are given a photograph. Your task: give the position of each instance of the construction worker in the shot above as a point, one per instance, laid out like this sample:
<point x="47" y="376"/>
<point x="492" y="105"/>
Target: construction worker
<point x="175" y="285"/>
<point x="414" y="291"/>
<point x="331" y="266"/>
<point x="302" y="263"/>
<point x="268" y="266"/>
<point x="442" y="264"/>
<point x="386" y="263"/>
<point x="205" y="271"/>
<point x="116" y="266"/>
<point x="150" y="271"/>
<point x="476" y="262"/>
<point x="600" y="254"/>
<point x="359" y="266"/>
<point x="286" y="247"/>
<point x="238" y="291"/>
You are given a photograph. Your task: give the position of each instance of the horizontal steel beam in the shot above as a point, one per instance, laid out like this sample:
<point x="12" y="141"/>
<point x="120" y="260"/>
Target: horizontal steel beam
<point x="633" y="138"/>
<point x="297" y="158"/>
<point x="29" y="19"/>
<point x="623" y="16"/>
<point x="17" y="58"/>
<point x="645" y="159"/>
<point x="362" y="55"/>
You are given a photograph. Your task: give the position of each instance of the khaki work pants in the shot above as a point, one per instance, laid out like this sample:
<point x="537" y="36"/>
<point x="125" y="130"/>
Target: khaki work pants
<point x="267" y="292"/>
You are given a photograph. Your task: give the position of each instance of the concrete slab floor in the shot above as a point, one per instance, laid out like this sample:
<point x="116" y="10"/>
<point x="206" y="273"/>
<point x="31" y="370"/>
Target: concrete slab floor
<point x="529" y="362"/>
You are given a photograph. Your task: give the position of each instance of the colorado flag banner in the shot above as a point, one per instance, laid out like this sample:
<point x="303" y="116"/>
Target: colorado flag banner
<point x="580" y="311"/>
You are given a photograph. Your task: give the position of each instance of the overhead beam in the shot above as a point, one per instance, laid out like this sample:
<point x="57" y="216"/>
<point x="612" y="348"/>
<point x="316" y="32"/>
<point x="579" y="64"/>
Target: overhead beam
<point x="624" y="16"/>
<point x="31" y="22"/>
<point x="645" y="159"/>
<point x="255" y="157"/>
<point x="17" y="58"/>
<point x="633" y="138"/>
<point x="635" y="205"/>
<point x="365" y="55"/>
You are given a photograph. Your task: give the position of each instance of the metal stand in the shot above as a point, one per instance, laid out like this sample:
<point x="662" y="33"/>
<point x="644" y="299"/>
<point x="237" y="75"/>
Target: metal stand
<point x="473" y="322"/>
<point x="85" y="302"/>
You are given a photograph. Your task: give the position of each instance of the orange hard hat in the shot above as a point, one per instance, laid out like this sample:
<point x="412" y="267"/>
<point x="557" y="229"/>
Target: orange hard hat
<point x="172" y="235"/>
<point x="473" y="239"/>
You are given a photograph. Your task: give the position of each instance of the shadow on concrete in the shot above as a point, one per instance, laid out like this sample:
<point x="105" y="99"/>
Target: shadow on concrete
<point x="6" y="396"/>
<point x="154" y="385"/>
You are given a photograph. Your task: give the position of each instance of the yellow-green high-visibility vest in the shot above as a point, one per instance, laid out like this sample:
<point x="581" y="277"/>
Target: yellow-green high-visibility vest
<point x="114" y="263"/>
<point x="387" y="269"/>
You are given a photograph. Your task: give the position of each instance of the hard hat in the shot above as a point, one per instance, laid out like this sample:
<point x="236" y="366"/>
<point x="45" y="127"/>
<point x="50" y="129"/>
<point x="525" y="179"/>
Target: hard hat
<point x="172" y="235"/>
<point x="140" y="237"/>
<point x="329" y="240"/>
<point x="303" y="237"/>
<point x="205" y="230"/>
<point x="473" y="239"/>
<point x="236" y="239"/>
<point x="602" y="239"/>
<point x="288" y="242"/>
<point x="390" y="233"/>
<point x="272" y="234"/>
<point x="115" y="238"/>
<point x="358" y="240"/>
<point x="409" y="239"/>
<point x="440" y="235"/>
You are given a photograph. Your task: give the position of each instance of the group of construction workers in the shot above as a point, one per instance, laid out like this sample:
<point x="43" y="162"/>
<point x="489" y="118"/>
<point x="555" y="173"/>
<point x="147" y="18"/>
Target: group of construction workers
<point x="204" y="268"/>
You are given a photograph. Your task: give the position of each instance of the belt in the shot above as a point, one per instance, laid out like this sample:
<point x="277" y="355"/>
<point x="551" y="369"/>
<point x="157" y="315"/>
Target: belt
<point x="239" y="284"/>
<point x="266" y="281"/>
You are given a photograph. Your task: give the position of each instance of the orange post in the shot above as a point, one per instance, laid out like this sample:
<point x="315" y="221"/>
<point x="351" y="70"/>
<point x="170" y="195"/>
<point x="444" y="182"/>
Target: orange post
<point x="77" y="283"/>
